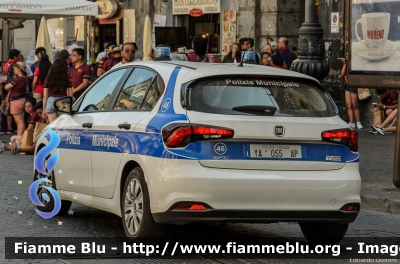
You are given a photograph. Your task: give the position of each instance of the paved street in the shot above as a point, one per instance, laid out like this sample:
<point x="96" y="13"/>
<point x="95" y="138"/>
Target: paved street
<point x="376" y="168"/>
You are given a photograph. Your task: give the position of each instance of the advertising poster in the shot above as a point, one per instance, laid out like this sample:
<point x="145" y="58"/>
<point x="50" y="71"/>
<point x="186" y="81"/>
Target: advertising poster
<point x="229" y="30"/>
<point x="375" y="47"/>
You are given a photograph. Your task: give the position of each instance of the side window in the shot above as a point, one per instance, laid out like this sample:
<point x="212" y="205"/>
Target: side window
<point x="97" y="98"/>
<point x="154" y="94"/>
<point x="135" y="90"/>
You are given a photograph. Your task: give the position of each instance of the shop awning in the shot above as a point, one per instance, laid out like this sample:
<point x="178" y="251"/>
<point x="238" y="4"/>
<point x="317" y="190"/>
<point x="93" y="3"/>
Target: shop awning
<point x="35" y="9"/>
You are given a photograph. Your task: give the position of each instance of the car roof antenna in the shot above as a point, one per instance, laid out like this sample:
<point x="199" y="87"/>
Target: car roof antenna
<point x="244" y="53"/>
<point x="208" y="41"/>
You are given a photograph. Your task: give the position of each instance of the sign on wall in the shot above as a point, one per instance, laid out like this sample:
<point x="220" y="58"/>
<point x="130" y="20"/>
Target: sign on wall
<point x="129" y="25"/>
<point x="229" y="30"/>
<point x="375" y="44"/>
<point x="184" y="7"/>
<point x="159" y="21"/>
<point x="108" y="8"/>
<point x="335" y="23"/>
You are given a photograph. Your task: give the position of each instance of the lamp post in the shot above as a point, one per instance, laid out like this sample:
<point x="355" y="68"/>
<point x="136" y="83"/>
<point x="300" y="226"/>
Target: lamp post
<point x="311" y="47"/>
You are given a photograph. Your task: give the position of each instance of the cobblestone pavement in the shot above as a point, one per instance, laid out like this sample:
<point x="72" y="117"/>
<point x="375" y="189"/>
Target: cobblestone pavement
<point x="89" y="222"/>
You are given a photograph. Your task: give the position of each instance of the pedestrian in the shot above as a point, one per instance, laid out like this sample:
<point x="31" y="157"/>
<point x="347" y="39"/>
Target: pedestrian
<point x="244" y="44"/>
<point x="138" y="54"/>
<point x="277" y="61"/>
<point x="287" y="56"/>
<point x="38" y="53"/>
<point x="199" y="46"/>
<point x="127" y="53"/>
<point x="100" y="65"/>
<point x="251" y="47"/>
<point x="35" y="116"/>
<point x="234" y="55"/>
<point x="57" y="85"/>
<point x="114" y="57"/>
<point x="65" y="57"/>
<point x="351" y="96"/>
<point x="265" y="59"/>
<point x="269" y="49"/>
<point x="17" y="89"/>
<point x="389" y="101"/>
<point x="40" y="75"/>
<point x="80" y="73"/>
<point x="9" y="70"/>
<point x="103" y="54"/>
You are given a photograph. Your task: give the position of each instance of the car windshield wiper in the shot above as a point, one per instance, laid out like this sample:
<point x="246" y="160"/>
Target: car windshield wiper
<point x="256" y="109"/>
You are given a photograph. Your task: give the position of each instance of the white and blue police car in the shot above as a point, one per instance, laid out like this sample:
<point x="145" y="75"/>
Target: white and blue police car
<point x="172" y="142"/>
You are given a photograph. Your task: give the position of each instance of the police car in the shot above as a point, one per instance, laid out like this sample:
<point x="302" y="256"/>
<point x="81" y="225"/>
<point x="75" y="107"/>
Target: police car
<point x="171" y="142"/>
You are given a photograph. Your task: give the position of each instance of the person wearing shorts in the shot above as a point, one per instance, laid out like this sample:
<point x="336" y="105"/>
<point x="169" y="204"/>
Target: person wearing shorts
<point x="57" y="85"/>
<point x="351" y="95"/>
<point x="17" y="89"/>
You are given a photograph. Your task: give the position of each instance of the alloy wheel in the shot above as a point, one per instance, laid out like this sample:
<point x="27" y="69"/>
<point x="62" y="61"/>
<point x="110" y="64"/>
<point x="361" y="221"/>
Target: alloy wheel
<point x="133" y="207"/>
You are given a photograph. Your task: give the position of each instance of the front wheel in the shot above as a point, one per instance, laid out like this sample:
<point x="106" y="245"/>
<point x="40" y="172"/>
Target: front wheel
<point x="324" y="233"/>
<point x="135" y="208"/>
<point x="49" y="204"/>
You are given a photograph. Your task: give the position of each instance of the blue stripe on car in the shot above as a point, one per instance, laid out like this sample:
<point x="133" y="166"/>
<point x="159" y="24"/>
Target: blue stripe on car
<point x="166" y="113"/>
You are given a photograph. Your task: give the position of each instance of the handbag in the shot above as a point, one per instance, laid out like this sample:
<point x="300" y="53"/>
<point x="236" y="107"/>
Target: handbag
<point x="364" y="94"/>
<point x="39" y="127"/>
<point x="27" y="139"/>
<point x="379" y="117"/>
<point x="5" y="107"/>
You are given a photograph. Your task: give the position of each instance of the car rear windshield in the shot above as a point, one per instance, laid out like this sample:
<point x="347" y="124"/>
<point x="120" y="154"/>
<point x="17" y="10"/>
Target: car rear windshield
<point x="252" y="96"/>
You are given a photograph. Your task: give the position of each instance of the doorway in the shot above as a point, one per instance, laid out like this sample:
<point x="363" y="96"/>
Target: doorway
<point x="200" y="26"/>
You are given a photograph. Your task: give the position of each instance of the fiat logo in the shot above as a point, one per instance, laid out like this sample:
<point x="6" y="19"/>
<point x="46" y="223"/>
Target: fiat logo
<point x="279" y="131"/>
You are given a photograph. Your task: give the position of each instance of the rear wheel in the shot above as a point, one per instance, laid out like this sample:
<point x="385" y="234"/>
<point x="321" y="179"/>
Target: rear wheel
<point x="323" y="233"/>
<point x="137" y="219"/>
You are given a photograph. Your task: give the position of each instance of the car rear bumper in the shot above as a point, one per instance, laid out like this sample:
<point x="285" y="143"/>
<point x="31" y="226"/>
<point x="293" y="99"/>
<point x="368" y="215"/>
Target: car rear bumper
<point x="244" y="216"/>
<point x="226" y="190"/>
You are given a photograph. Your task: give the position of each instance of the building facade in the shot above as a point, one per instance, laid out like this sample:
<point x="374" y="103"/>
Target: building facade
<point x="178" y="21"/>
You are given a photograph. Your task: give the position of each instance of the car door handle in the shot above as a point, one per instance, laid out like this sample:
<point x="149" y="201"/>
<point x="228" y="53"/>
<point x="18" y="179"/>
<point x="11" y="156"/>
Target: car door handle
<point x="87" y="125"/>
<point x="124" y="126"/>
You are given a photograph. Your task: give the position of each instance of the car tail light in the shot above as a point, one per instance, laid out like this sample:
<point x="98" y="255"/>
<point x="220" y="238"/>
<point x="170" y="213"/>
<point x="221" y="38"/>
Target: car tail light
<point x="344" y="136"/>
<point x="350" y="208"/>
<point x="189" y="207"/>
<point x="181" y="135"/>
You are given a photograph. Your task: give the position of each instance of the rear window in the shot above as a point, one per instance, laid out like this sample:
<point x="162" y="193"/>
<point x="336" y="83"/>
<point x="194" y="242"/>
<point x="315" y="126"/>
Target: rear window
<point x="251" y="96"/>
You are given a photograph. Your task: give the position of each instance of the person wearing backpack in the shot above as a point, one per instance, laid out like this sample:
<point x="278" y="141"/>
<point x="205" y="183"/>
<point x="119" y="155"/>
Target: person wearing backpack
<point x="9" y="70"/>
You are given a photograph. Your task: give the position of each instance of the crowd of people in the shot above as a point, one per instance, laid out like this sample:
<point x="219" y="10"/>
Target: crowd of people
<point x="68" y="75"/>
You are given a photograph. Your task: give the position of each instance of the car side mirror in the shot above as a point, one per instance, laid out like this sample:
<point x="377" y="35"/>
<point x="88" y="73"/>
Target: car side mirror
<point x="64" y="105"/>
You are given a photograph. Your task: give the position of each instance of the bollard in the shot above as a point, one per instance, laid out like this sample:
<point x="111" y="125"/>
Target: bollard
<point x="396" y="170"/>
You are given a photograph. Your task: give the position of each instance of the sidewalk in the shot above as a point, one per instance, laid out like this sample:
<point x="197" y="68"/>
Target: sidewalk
<point x="376" y="168"/>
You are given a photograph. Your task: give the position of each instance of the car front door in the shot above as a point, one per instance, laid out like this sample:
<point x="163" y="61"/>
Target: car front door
<point x="75" y="167"/>
<point x="113" y="134"/>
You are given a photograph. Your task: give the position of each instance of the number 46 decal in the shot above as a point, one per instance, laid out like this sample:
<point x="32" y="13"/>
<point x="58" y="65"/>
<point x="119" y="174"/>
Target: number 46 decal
<point x="220" y="148"/>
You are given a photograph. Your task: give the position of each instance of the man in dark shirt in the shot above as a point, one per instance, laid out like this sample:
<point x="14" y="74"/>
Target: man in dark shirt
<point x="38" y="53"/>
<point x="287" y="56"/>
<point x="80" y="73"/>
<point x="389" y="100"/>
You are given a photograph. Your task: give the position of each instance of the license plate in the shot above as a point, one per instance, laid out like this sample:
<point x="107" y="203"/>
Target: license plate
<point x="275" y="151"/>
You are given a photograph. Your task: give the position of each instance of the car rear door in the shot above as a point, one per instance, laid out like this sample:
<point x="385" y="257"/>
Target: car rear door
<point x="114" y="133"/>
<point x="277" y="125"/>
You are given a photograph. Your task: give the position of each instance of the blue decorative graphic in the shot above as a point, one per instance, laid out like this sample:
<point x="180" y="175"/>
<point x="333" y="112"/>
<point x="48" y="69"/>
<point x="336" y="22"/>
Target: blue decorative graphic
<point x="44" y="152"/>
<point x="46" y="168"/>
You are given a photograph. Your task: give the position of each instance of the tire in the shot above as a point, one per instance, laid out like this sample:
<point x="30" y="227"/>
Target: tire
<point x="323" y="233"/>
<point x="137" y="219"/>
<point x="49" y="206"/>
